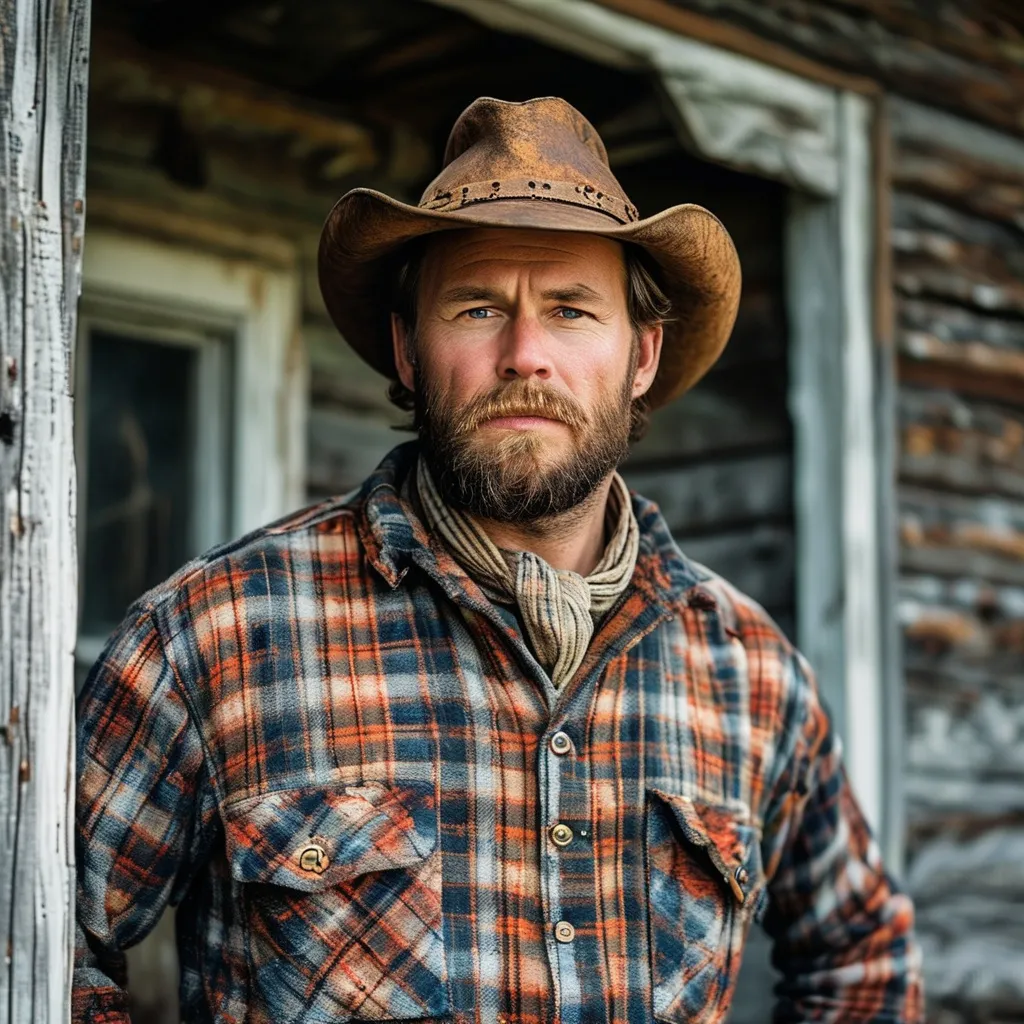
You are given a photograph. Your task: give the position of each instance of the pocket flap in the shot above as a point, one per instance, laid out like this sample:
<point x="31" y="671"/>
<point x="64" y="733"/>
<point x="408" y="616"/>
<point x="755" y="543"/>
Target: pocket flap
<point x="313" y="839"/>
<point x="731" y="845"/>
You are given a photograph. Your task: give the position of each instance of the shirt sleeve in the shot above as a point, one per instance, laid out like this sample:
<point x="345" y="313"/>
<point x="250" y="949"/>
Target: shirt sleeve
<point x="144" y="809"/>
<point x="842" y="931"/>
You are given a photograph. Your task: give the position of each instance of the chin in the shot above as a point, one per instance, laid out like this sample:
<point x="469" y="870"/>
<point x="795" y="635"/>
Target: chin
<point x="523" y="451"/>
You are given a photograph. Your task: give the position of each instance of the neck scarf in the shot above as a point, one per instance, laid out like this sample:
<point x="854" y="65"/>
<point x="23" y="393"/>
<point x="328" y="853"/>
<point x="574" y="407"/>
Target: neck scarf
<point x="558" y="607"/>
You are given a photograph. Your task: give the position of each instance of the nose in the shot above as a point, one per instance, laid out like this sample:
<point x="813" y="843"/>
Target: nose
<point x="523" y="351"/>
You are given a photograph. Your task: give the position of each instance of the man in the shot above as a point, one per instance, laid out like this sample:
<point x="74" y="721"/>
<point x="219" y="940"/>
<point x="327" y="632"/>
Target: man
<point x="479" y="743"/>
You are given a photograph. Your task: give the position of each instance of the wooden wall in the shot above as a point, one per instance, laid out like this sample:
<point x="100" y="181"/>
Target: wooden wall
<point x="957" y="244"/>
<point x="958" y="250"/>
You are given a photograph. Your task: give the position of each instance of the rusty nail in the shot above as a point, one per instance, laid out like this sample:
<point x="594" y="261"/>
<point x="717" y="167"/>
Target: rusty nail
<point x="24" y="772"/>
<point x="79" y="206"/>
<point x="17" y="526"/>
<point x="12" y="369"/>
<point x="15" y="715"/>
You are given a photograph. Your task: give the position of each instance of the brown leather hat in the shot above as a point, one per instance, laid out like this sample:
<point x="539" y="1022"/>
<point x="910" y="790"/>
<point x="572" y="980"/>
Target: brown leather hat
<point x="537" y="164"/>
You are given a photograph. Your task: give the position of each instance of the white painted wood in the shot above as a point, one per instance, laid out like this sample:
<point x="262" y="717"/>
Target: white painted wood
<point x="43" y="50"/>
<point x="813" y="282"/>
<point x="259" y="305"/>
<point x="732" y="109"/>
<point x="862" y="622"/>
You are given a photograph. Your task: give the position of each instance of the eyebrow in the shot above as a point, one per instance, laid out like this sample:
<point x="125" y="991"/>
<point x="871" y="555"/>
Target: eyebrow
<point x="470" y="293"/>
<point x="574" y="293"/>
<point x="475" y="293"/>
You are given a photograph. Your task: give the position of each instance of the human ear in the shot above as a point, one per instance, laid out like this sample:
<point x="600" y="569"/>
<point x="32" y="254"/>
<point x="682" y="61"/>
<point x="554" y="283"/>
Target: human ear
<point x="400" y="346"/>
<point x="647" y="358"/>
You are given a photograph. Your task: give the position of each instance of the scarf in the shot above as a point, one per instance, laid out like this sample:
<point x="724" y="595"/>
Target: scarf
<point x="559" y="607"/>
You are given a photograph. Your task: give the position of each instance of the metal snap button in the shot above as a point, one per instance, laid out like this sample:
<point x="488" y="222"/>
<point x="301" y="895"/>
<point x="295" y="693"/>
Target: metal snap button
<point x="561" y="834"/>
<point x="313" y="858"/>
<point x="560" y="743"/>
<point x="564" y="931"/>
<point x="741" y="875"/>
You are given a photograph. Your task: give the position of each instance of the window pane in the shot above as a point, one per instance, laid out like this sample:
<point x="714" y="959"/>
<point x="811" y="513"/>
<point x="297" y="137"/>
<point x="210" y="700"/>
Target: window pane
<point x="140" y="488"/>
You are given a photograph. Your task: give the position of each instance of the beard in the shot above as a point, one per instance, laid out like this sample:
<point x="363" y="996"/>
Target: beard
<point x="519" y="478"/>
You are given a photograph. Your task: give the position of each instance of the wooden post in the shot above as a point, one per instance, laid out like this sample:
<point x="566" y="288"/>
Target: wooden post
<point x="43" y="77"/>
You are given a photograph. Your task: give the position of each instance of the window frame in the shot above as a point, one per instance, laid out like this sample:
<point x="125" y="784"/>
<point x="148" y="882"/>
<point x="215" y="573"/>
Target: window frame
<point x="177" y="293"/>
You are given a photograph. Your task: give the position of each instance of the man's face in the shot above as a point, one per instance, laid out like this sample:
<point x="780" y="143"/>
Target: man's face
<point x="526" y="365"/>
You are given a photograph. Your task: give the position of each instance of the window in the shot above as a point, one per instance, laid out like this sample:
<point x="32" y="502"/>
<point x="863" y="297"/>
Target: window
<point x="189" y="414"/>
<point x="154" y="450"/>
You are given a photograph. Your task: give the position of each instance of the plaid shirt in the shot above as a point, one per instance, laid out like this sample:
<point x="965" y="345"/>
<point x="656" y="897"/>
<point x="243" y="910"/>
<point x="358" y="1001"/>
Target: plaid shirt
<point x="346" y="767"/>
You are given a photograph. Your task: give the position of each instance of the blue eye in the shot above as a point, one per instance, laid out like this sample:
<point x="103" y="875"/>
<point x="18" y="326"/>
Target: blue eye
<point x="478" y="314"/>
<point x="568" y="313"/>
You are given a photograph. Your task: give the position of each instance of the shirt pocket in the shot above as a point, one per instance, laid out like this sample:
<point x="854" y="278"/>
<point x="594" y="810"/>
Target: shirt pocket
<point x="341" y="889"/>
<point x="705" y="884"/>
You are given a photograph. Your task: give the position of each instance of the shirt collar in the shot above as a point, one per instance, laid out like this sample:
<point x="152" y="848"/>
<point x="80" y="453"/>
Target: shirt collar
<point x="393" y="536"/>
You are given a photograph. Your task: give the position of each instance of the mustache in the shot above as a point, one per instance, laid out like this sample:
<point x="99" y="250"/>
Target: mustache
<point x="521" y="397"/>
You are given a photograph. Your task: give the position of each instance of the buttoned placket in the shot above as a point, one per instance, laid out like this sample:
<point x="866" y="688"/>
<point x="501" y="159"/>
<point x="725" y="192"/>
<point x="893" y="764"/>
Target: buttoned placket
<point x="561" y="777"/>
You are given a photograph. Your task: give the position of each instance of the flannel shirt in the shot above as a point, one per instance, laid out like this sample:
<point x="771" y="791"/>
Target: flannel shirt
<point x="345" y="767"/>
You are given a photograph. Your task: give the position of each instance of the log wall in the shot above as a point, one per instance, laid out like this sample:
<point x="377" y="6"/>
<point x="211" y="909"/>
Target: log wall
<point x="958" y="250"/>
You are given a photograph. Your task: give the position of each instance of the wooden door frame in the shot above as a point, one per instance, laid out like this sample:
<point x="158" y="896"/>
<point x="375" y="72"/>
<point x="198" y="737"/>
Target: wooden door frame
<point x="820" y="137"/>
<point x="45" y="51"/>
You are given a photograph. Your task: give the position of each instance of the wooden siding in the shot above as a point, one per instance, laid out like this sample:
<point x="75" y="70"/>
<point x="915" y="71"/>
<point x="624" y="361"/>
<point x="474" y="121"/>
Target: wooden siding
<point x="958" y="250"/>
<point x="962" y="55"/>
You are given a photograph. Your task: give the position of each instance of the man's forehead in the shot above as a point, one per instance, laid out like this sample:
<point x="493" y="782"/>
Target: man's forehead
<point x="494" y="248"/>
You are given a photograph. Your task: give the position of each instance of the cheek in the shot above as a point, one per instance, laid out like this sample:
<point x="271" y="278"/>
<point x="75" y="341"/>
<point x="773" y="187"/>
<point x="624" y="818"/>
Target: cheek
<point x="457" y="378"/>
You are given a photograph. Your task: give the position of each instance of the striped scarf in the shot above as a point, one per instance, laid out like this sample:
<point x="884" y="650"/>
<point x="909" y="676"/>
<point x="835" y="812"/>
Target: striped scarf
<point x="558" y="607"/>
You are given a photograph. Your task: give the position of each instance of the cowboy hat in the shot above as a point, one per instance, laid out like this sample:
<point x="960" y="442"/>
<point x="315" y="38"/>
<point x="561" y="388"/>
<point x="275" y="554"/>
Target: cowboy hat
<point x="537" y="164"/>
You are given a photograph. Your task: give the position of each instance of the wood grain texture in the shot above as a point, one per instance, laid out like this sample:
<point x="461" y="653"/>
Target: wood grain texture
<point x="964" y="54"/>
<point x="42" y="152"/>
<point x="959" y="276"/>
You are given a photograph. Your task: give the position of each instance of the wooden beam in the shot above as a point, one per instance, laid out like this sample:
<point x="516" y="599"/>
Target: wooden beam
<point x="716" y="32"/>
<point x="214" y="98"/>
<point x="44" y="53"/>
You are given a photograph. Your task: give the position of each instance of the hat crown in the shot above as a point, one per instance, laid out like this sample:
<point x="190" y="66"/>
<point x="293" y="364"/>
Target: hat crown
<point x="546" y="139"/>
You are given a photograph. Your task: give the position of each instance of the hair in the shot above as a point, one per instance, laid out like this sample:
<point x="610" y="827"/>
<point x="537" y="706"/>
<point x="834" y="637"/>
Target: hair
<point x="646" y="303"/>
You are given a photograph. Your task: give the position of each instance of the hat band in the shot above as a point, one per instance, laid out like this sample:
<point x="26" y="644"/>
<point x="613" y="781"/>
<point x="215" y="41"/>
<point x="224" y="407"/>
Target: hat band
<point x="580" y="194"/>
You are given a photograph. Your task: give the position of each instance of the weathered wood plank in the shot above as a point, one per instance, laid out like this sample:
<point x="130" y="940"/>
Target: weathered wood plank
<point x="954" y="323"/>
<point x="912" y="213"/>
<point x="956" y="535"/>
<point x="962" y="634"/>
<point x="720" y="495"/>
<point x="932" y="265"/>
<point x="44" y="54"/>
<point x="738" y="410"/>
<point x="758" y="560"/>
<point x="956" y="444"/>
<point x="960" y="57"/>
<point x="967" y="894"/>
<point x="344" y="449"/>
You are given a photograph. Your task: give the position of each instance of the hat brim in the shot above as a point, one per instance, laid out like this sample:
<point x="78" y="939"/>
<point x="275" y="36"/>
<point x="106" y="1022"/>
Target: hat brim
<point x="699" y="266"/>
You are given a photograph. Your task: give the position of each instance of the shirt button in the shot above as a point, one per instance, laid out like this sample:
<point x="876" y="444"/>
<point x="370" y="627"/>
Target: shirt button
<point x="313" y="858"/>
<point x="561" y="834"/>
<point x="560" y="743"/>
<point x="564" y="931"/>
